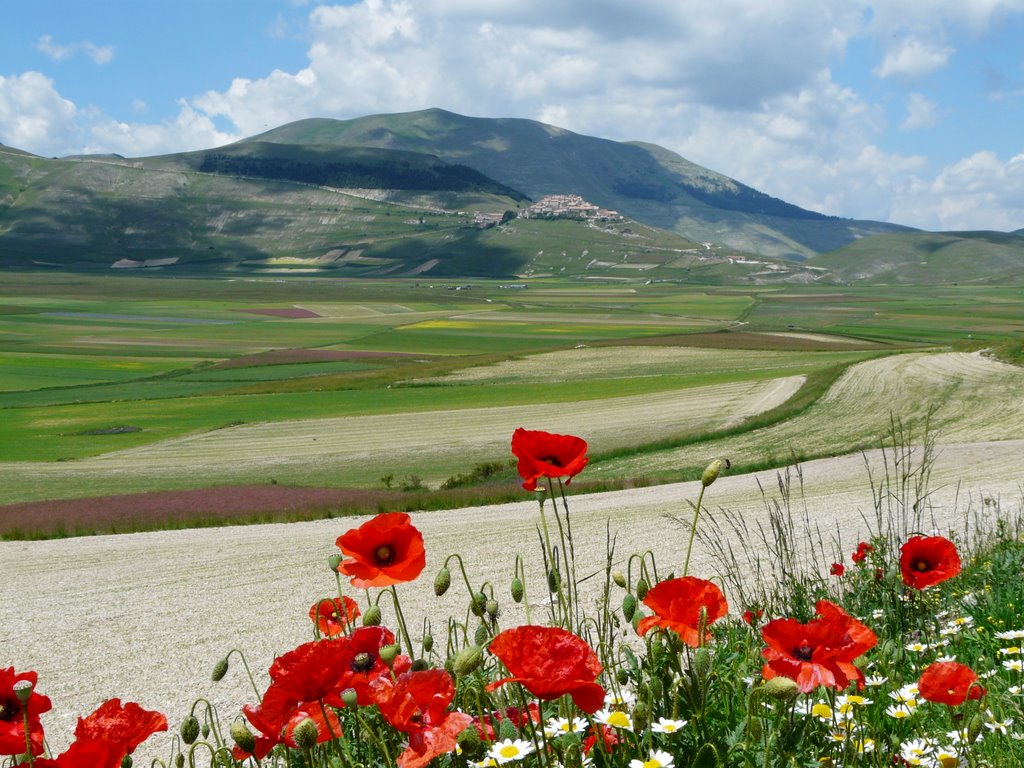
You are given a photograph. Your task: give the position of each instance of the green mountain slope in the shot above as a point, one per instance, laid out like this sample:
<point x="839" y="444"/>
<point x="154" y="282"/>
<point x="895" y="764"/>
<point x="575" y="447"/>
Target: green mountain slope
<point x="643" y="181"/>
<point x="929" y="258"/>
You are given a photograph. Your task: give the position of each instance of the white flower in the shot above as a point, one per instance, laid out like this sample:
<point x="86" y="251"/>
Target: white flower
<point x="915" y="751"/>
<point x="917" y="647"/>
<point x="950" y="657"/>
<point x="559" y="726"/>
<point x="1011" y="634"/>
<point x="614" y="718"/>
<point x="664" y="725"/>
<point x="898" y="712"/>
<point x="873" y="681"/>
<point x="846" y="703"/>
<point x="1014" y="665"/>
<point x="624" y="698"/>
<point x="1013" y="650"/>
<point x="1002" y="726"/>
<point x="658" y="759"/>
<point x="510" y="749"/>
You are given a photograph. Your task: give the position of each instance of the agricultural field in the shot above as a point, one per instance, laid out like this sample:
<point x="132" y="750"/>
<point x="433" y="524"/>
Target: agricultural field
<point x="116" y="385"/>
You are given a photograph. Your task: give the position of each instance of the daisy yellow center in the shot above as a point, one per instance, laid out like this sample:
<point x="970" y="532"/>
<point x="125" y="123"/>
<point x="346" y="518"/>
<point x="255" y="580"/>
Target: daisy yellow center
<point x="652" y="763"/>
<point x="620" y="719"/>
<point x="670" y="728"/>
<point x="384" y="554"/>
<point x="509" y="750"/>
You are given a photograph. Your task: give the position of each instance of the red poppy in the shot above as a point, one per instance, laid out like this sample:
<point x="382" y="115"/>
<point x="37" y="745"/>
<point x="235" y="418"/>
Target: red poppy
<point x="333" y="615"/>
<point x="550" y="662"/>
<point x="947" y="682"/>
<point x="267" y="737"/>
<point x="820" y="652"/>
<point x="84" y="754"/>
<point x="750" y="617"/>
<point x="862" y="552"/>
<point x="542" y="454"/>
<point x="362" y="662"/>
<point x="677" y="605"/>
<point x="927" y="560"/>
<point x="838" y="569"/>
<point x="488" y="725"/>
<point x="125" y="726"/>
<point x="607" y="737"/>
<point x="384" y="550"/>
<point x="12" y="714"/>
<point x="416" y="703"/>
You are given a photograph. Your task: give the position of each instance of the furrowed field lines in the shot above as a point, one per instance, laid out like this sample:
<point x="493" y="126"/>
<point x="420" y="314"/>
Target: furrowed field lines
<point x="360" y="449"/>
<point x="970" y="398"/>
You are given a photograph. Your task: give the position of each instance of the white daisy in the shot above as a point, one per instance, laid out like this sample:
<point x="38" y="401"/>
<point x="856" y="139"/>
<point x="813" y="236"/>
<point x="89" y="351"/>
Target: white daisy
<point x="664" y="725"/>
<point x="510" y="749"/>
<point x="658" y="759"/>
<point x="614" y="718"/>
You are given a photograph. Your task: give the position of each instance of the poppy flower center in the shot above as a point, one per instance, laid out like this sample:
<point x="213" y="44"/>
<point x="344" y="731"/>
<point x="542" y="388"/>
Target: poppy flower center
<point x="921" y="566"/>
<point x="384" y="554"/>
<point x="362" y="662"/>
<point x="804" y="652"/>
<point x="552" y="460"/>
<point x="9" y="711"/>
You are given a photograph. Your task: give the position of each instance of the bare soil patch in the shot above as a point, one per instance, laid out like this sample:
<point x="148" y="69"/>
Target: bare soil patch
<point x="753" y="340"/>
<point x="292" y="313"/>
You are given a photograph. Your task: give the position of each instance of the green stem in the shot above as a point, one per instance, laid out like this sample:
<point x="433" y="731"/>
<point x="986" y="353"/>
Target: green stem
<point x="693" y="530"/>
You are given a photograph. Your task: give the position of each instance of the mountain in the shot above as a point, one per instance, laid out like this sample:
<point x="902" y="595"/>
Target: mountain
<point x="929" y="258"/>
<point x="645" y="182"/>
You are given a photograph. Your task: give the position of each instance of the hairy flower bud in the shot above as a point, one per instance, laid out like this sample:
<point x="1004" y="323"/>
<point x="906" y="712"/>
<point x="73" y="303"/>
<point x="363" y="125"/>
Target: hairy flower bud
<point x="442" y="581"/>
<point x="372" y="617"/>
<point x="126" y="761"/>
<point x="491" y="608"/>
<point x="621" y="676"/>
<point x="243" y="736"/>
<point x="518" y="590"/>
<point x="780" y="688"/>
<point x="469" y="741"/>
<point x="219" y="670"/>
<point x="480" y="636"/>
<point x="554" y="580"/>
<point x="641" y="589"/>
<point x="478" y="603"/>
<point x="468" y="660"/>
<point x="628" y="606"/>
<point x="427" y="643"/>
<point x="702" y="662"/>
<point x="305" y="734"/>
<point x="189" y="729"/>
<point x="619" y="579"/>
<point x="419" y="665"/>
<point x="506" y="730"/>
<point x="713" y="470"/>
<point x="179" y="760"/>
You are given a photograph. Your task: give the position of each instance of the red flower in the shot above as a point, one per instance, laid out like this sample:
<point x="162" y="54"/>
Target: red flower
<point x="84" y="754"/>
<point x="947" y="682"/>
<point x="384" y="550"/>
<point x="838" y="569"/>
<point x="542" y="454"/>
<point x="820" y="652"/>
<point x="677" y="605"/>
<point x="927" y="560"/>
<point x="269" y="735"/>
<point x="550" y="662"/>
<point x="416" y="703"/>
<point x="603" y="735"/>
<point x="362" y="663"/>
<point x="750" y="617"/>
<point x="124" y="726"/>
<point x="862" y="552"/>
<point x="333" y="615"/>
<point x="12" y="714"/>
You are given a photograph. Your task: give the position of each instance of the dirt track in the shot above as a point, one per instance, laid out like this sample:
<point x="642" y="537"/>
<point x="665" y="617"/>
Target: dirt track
<point x="145" y="616"/>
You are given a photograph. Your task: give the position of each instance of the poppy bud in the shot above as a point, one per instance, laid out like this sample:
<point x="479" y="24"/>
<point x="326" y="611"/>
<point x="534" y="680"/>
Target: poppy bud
<point x="388" y="653"/>
<point x="506" y="730"/>
<point x="780" y="688"/>
<point x="349" y="697"/>
<point x="491" y="607"/>
<point x="205" y="730"/>
<point x="179" y="760"/>
<point x="619" y="579"/>
<point x="334" y="561"/>
<point x="641" y="589"/>
<point x="622" y="676"/>
<point x="469" y="741"/>
<point x="305" y="734"/>
<point x="419" y="665"/>
<point x="243" y="736"/>
<point x="189" y="729"/>
<point x="553" y="580"/>
<point x="442" y="581"/>
<point x="478" y="603"/>
<point x="480" y="637"/>
<point x="219" y="670"/>
<point x="713" y="470"/>
<point x="628" y="606"/>
<point x="23" y="690"/>
<point x="641" y="716"/>
<point x="702" y="662"/>
<point x="974" y="728"/>
<point x="468" y="660"/>
<point x="372" y="617"/>
<point x="126" y="761"/>
<point x="635" y="621"/>
<point x="518" y="590"/>
<point x="428" y="643"/>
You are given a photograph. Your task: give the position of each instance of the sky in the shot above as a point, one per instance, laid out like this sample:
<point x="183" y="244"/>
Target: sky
<point x="907" y="111"/>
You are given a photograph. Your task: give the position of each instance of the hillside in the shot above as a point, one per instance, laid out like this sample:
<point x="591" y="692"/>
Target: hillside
<point x="929" y="258"/>
<point x="643" y="181"/>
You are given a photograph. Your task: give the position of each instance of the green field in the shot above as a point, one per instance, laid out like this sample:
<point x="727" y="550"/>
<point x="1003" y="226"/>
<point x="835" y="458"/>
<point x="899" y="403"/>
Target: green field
<point x="118" y="384"/>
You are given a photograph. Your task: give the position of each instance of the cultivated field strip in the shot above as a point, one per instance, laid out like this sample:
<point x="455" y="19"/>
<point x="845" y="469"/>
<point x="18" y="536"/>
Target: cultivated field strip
<point x="971" y="397"/>
<point x="433" y="444"/>
<point x="145" y="616"/>
<point x="631" y="362"/>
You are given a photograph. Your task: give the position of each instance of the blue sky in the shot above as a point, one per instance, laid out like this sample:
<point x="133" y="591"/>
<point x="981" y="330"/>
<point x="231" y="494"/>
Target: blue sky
<point x="899" y="110"/>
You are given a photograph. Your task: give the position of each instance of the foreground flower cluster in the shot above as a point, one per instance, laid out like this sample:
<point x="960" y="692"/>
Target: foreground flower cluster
<point x="869" y="667"/>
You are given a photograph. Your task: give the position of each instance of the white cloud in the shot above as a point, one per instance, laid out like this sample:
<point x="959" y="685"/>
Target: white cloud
<point x="33" y="116"/>
<point x="189" y="130"/>
<point x="912" y="58"/>
<point x="100" y="54"/>
<point x="921" y="113"/>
